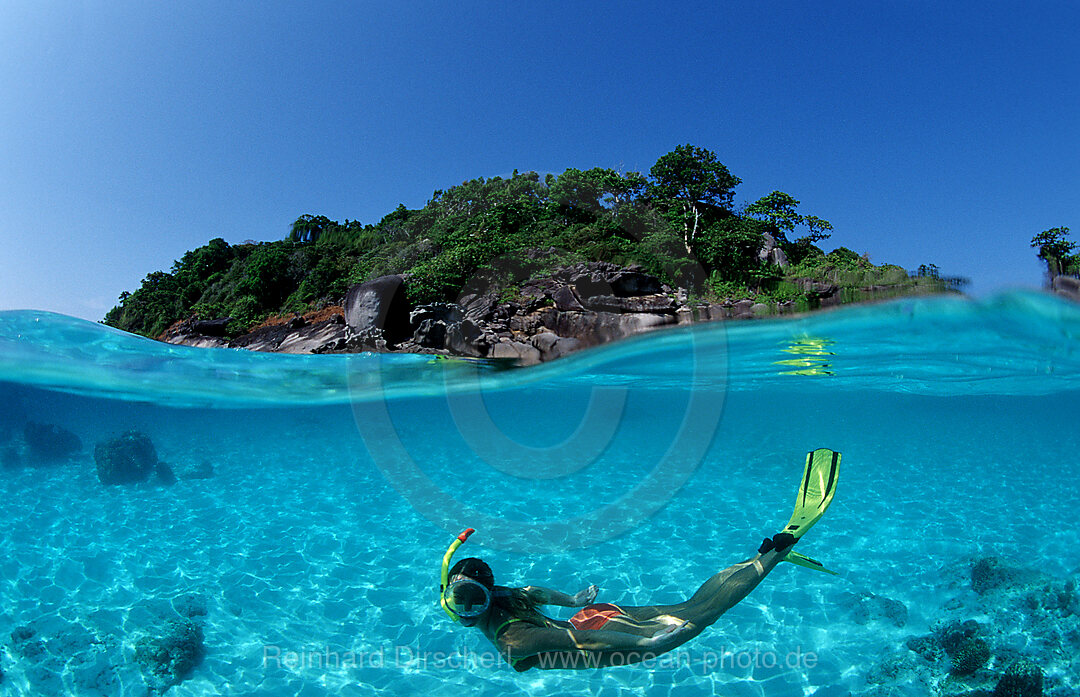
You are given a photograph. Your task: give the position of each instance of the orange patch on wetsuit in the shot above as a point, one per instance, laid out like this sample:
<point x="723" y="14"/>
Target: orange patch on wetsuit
<point x="595" y="616"/>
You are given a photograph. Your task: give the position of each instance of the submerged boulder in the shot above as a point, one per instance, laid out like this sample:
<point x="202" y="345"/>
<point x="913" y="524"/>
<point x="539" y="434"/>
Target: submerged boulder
<point x="50" y="443"/>
<point x="168" y="655"/>
<point x="129" y="459"/>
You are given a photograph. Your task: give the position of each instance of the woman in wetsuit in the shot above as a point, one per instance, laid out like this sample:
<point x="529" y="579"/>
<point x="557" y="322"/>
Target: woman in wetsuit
<point x="604" y="634"/>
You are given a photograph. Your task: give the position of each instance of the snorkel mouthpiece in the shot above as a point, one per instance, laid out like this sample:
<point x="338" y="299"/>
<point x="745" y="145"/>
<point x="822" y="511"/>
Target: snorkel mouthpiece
<point x="444" y="575"/>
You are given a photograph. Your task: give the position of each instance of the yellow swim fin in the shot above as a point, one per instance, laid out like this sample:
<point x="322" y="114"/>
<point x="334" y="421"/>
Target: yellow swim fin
<point x="805" y="561"/>
<point x="815" y="492"/>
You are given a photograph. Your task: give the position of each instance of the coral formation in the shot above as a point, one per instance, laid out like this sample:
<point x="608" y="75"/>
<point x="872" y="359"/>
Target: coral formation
<point x="169" y="656"/>
<point x="1028" y="621"/>
<point x="973" y="655"/>
<point x="953" y="635"/>
<point x="1021" y="679"/>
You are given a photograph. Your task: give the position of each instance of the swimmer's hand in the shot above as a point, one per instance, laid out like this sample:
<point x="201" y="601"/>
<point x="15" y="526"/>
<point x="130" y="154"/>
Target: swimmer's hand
<point x="668" y="634"/>
<point x="585" y="597"/>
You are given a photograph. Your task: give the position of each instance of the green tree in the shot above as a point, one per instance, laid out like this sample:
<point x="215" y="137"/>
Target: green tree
<point x="308" y="228"/>
<point x="779" y="211"/>
<point x="729" y="248"/>
<point x="1055" y="248"/>
<point x="692" y="180"/>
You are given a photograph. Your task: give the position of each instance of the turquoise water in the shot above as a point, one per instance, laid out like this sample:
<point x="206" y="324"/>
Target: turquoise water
<point x="643" y="467"/>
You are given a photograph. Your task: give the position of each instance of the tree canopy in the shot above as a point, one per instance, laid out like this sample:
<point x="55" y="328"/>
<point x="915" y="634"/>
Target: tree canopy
<point x="1055" y="248"/>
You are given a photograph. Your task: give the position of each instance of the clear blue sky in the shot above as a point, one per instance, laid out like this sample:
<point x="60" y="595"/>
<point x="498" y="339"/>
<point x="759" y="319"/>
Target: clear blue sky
<point x="130" y="132"/>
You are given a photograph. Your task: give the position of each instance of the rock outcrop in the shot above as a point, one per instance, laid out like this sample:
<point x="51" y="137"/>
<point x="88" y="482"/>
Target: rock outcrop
<point x="1067" y="286"/>
<point x="130" y="459"/>
<point x="574" y="307"/>
<point x="379" y="306"/>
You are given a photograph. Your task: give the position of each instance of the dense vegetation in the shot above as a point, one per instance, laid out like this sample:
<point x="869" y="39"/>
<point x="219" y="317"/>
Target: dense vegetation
<point x="1055" y="248"/>
<point x="679" y="222"/>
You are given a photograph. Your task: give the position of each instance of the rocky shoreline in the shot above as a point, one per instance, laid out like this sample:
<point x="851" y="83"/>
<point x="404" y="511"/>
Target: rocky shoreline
<point x="576" y="307"/>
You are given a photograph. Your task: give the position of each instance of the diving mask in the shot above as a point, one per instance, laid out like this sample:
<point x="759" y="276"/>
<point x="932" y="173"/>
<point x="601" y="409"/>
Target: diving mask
<point x="467" y="598"/>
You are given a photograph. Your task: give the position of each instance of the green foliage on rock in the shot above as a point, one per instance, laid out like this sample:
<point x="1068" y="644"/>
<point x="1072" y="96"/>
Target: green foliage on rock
<point x="1055" y="249"/>
<point x="678" y="223"/>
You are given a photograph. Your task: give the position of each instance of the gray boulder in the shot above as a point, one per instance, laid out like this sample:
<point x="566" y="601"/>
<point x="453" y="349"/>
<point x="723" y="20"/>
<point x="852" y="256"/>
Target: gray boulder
<point x="431" y="333"/>
<point x="552" y="346"/>
<point x="565" y="299"/>
<point x="603" y="278"/>
<point x="211" y="327"/>
<point x="516" y="350"/>
<point x="593" y="328"/>
<point x="379" y="304"/>
<point x="641" y="303"/>
<point x="1068" y="286"/>
<point x="440" y="312"/>
<point x="743" y="309"/>
<point x="478" y="308"/>
<point x="770" y="252"/>
<point x="465" y="338"/>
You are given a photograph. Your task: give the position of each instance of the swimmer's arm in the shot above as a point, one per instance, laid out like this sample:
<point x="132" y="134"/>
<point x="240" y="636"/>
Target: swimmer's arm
<point x="547" y="596"/>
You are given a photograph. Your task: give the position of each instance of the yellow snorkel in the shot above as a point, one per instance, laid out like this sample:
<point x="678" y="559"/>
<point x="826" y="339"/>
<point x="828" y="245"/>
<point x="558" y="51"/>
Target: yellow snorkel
<point x="444" y="575"/>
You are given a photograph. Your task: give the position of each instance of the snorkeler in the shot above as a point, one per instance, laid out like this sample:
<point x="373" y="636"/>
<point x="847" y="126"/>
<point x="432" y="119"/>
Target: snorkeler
<point x="604" y="634"/>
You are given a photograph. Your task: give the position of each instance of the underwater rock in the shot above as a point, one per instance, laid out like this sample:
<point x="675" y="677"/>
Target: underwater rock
<point x="128" y="459"/>
<point x="168" y="657"/>
<point x="991" y="574"/>
<point x="465" y="338"/>
<point x="165" y="474"/>
<point x="868" y="606"/>
<point x="25" y="644"/>
<point x="50" y="443"/>
<point x="1052" y="598"/>
<point x="1022" y="679"/>
<point x="926" y="646"/>
<point x="952" y="635"/>
<point x="897" y="667"/>
<point x="973" y="655"/>
<point x="190" y="605"/>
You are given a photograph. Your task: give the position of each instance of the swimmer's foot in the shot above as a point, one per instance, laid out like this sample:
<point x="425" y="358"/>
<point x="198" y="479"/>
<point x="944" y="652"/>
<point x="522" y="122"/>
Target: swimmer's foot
<point x="816" y="491"/>
<point x="781" y="541"/>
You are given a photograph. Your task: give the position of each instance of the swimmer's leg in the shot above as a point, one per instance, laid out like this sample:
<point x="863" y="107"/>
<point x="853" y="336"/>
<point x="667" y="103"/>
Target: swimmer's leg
<point x="719" y="593"/>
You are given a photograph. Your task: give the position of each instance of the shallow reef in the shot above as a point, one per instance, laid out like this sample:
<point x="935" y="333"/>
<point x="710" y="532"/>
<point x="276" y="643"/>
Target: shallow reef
<point x="1025" y="641"/>
<point x="95" y="654"/>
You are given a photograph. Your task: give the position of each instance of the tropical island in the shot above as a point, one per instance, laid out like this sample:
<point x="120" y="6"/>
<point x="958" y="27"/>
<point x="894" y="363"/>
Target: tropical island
<point x="527" y="267"/>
